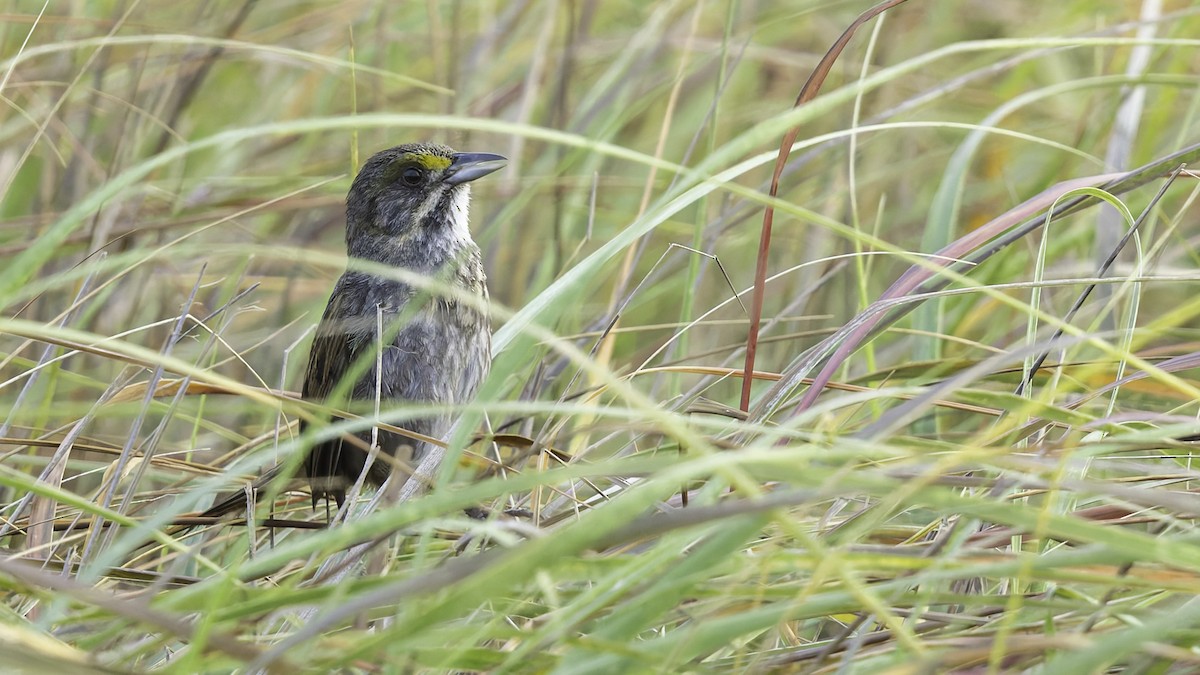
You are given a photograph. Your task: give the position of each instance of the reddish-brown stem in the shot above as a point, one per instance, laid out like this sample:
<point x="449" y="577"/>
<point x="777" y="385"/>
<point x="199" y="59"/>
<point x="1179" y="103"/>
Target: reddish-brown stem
<point x="807" y="93"/>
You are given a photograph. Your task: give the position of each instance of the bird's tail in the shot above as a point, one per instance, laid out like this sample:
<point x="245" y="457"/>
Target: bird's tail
<point x="238" y="500"/>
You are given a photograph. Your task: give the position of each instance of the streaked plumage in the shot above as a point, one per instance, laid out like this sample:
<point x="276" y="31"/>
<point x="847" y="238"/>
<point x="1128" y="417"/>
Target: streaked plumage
<point x="407" y="208"/>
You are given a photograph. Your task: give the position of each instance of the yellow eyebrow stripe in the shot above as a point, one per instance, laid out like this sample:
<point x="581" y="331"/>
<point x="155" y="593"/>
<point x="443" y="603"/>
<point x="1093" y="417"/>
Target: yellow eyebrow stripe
<point x="429" y="162"/>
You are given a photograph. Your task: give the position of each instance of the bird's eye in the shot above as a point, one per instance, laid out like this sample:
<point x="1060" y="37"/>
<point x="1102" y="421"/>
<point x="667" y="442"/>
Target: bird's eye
<point x="411" y="176"/>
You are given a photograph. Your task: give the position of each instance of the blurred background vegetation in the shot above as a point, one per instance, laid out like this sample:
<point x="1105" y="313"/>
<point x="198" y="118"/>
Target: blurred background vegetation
<point x="172" y="179"/>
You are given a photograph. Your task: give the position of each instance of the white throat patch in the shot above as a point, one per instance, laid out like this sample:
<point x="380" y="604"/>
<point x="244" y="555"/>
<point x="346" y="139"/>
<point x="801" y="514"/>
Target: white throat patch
<point x="459" y="214"/>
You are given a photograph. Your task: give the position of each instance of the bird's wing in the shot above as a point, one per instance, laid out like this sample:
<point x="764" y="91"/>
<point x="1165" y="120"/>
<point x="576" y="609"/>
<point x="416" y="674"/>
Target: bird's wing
<point x="334" y="351"/>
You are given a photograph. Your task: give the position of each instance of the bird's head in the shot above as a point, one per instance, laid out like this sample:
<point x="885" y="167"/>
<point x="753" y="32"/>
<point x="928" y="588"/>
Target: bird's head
<point x="416" y="195"/>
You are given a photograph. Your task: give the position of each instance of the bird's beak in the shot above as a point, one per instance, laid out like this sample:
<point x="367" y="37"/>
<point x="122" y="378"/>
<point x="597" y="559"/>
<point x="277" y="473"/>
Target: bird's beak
<point x="467" y="166"/>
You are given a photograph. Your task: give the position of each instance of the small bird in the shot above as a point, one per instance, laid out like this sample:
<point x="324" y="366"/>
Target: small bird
<point x="407" y="208"/>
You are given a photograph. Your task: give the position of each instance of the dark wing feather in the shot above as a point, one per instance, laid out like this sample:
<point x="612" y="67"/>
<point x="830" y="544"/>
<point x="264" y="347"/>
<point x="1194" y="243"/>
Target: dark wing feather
<point x="332" y="354"/>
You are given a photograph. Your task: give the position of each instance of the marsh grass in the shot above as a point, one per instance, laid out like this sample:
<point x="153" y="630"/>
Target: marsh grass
<point x="171" y="186"/>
